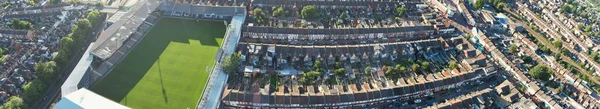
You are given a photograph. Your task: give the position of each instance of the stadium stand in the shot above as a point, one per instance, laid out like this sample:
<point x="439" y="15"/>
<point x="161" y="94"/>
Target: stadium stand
<point x="199" y="11"/>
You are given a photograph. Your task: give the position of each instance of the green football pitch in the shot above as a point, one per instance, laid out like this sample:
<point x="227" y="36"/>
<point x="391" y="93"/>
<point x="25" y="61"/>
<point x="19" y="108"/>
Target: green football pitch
<point x="167" y="69"/>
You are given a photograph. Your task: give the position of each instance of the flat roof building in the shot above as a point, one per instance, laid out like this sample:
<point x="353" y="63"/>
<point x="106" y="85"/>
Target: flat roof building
<point x="86" y="99"/>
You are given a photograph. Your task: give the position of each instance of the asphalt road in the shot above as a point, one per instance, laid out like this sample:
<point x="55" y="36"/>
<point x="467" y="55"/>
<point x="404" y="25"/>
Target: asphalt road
<point x="52" y="94"/>
<point x="439" y="97"/>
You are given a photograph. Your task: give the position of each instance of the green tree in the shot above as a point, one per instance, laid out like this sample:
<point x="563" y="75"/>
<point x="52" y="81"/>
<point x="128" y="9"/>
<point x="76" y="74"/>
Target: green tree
<point x="368" y="70"/>
<point x="317" y="65"/>
<point x="232" y="63"/>
<point x="564" y="51"/>
<point x="80" y="31"/>
<point x="14" y="102"/>
<point x="452" y="64"/>
<point x="512" y="49"/>
<point x="309" y="12"/>
<point x="557" y="43"/>
<point x="19" y="24"/>
<point x="594" y="55"/>
<point x="340" y="72"/>
<point x="94" y="17"/>
<point x="61" y="58"/>
<point x="337" y="65"/>
<point x="259" y="16"/>
<point x="388" y="71"/>
<point x="399" y="68"/>
<point x="45" y="70"/>
<point x="425" y="65"/>
<point x="415" y="68"/>
<point x="467" y="36"/>
<point x="3" y="59"/>
<point x="545" y="49"/>
<point x="395" y="72"/>
<point x="500" y="6"/>
<point x="277" y="11"/>
<point x="309" y="78"/>
<point x="588" y="28"/>
<point x="400" y="10"/>
<point x="32" y="91"/>
<point x="402" y="69"/>
<point x="479" y="4"/>
<point x="566" y="8"/>
<point x="84" y="27"/>
<point x="541" y="72"/>
<point x="66" y="45"/>
<point x="31" y="2"/>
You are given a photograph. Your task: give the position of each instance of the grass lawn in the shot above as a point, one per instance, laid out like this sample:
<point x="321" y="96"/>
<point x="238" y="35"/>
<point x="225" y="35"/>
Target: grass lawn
<point x="167" y="70"/>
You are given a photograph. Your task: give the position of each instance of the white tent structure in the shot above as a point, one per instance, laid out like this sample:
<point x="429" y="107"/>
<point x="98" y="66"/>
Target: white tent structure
<point x="86" y="99"/>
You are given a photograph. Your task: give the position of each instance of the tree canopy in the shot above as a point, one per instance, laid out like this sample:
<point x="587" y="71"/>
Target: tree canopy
<point x="309" y="12"/>
<point x="541" y="72"/>
<point x="33" y="90"/>
<point x="2" y="59"/>
<point x="14" y="102"/>
<point x="594" y="55"/>
<point x="309" y="78"/>
<point x="232" y="63"/>
<point x="94" y="17"/>
<point x="317" y="65"/>
<point x="340" y="72"/>
<point x="425" y="65"/>
<point x="415" y="67"/>
<point x="479" y="4"/>
<point x="45" y="70"/>
<point x="557" y="43"/>
<point x="512" y="49"/>
<point x="259" y="16"/>
<point x="452" y="64"/>
<point x="66" y="44"/>
<point x="19" y="24"/>
<point x="368" y="70"/>
<point x="277" y="11"/>
<point x="400" y="10"/>
<point x="394" y="73"/>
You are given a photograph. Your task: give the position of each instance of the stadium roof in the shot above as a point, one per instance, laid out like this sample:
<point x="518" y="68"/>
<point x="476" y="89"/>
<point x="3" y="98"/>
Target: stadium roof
<point x="86" y="99"/>
<point x="73" y="80"/>
<point x="113" y="37"/>
<point x="201" y="9"/>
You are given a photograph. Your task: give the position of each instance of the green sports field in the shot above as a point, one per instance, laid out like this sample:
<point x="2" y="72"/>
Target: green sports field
<point x="167" y="69"/>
